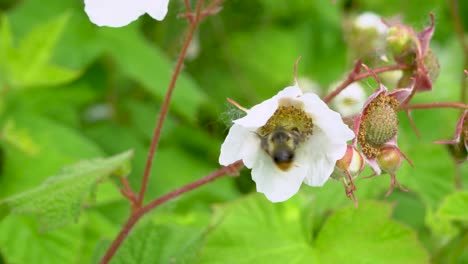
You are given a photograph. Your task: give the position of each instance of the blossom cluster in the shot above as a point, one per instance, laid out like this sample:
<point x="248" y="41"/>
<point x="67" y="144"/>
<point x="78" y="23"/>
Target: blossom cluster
<point x="295" y="137"/>
<point x="282" y="154"/>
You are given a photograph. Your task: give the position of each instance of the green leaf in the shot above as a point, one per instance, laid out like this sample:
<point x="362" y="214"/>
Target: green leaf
<point x="5" y="48"/>
<point x="29" y="65"/>
<point x="18" y="138"/>
<point x="367" y="235"/>
<point x="21" y="242"/>
<point x="153" y="243"/>
<point x="455" y="206"/>
<point x="61" y="198"/>
<point x="146" y="64"/>
<point x="254" y="230"/>
<point x="78" y="45"/>
<point x="55" y="145"/>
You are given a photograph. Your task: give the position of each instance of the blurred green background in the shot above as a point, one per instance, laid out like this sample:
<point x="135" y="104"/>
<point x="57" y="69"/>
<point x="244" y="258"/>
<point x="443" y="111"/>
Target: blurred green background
<point x="70" y="90"/>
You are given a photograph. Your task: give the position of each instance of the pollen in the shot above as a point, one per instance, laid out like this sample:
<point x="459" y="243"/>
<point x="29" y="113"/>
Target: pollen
<point x="379" y="125"/>
<point x="290" y="118"/>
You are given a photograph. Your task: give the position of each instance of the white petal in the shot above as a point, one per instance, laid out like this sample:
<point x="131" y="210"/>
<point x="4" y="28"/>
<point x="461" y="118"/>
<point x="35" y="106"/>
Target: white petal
<point x="290" y="91"/>
<point x="327" y="120"/>
<point x="277" y="185"/>
<point x="350" y="101"/>
<point x="118" y="13"/>
<point x="240" y="144"/>
<point x="113" y="13"/>
<point x="371" y="20"/>
<point x="322" y="156"/>
<point x="259" y="114"/>
<point x="157" y="9"/>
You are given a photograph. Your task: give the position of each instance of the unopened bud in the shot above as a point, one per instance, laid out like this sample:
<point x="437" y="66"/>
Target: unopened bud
<point x="400" y="40"/>
<point x="352" y="162"/>
<point x="389" y="159"/>
<point x="366" y="34"/>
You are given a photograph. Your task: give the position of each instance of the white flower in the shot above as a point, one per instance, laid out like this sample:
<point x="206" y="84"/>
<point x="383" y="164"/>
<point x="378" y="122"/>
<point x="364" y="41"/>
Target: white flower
<point x="369" y="20"/>
<point x="350" y="101"/>
<point x="118" y="13"/>
<point x="317" y="136"/>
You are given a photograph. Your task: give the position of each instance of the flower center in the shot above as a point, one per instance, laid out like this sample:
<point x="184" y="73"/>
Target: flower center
<point x="283" y="132"/>
<point x="379" y="125"/>
<point x="289" y="118"/>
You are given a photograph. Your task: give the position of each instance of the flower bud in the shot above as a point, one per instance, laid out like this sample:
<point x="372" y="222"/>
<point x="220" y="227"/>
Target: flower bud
<point x="352" y="162"/>
<point x="389" y="159"/>
<point x="400" y="40"/>
<point x="366" y="34"/>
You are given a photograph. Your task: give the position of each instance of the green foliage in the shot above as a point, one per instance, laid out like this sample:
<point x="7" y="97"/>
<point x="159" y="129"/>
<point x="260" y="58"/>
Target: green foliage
<point x="54" y="145"/>
<point x="150" y="68"/>
<point x="455" y="207"/>
<point x="366" y="234"/>
<point x="155" y="243"/>
<point x="21" y="242"/>
<point x="60" y="199"/>
<point x="254" y="230"/>
<point x="28" y="64"/>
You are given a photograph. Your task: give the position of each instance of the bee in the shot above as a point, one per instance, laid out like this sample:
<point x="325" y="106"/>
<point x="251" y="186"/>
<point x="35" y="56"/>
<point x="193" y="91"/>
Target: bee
<point x="281" y="145"/>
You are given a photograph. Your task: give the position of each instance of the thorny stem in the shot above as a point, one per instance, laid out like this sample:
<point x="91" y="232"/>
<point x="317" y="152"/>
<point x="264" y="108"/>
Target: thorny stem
<point x="356" y="76"/>
<point x="165" y="106"/>
<point x="460" y="31"/>
<point x="434" y="105"/>
<point x="139" y="212"/>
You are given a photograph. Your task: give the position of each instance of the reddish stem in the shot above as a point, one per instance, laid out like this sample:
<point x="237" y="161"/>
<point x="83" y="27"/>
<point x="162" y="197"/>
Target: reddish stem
<point x="139" y="212"/>
<point x="434" y="105"/>
<point x="165" y="106"/>
<point x="355" y="76"/>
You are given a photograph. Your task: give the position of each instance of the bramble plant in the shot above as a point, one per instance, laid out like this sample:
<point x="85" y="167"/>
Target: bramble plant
<point x="83" y="85"/>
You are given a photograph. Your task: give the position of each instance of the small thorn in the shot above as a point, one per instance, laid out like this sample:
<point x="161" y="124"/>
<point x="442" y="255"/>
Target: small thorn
<point x="357" y="67"/>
